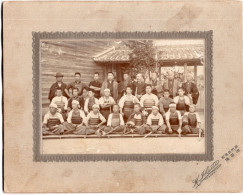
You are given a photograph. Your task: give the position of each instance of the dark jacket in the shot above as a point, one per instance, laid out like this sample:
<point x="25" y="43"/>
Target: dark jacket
<point x="52" y="92"/>
<point x="139" y="89"/>
<point x="191" y="89"/>
<point x="122" y="87"/>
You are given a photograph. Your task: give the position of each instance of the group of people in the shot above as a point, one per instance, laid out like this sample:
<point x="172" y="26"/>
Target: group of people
<point x="122" y="108"/>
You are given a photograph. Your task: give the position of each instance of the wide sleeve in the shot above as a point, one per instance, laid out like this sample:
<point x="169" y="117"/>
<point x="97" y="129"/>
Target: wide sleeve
<point x="176" y="99"/>
<point x="187" y="100"/>
<point x="112" y="101"/>
<point x="53" y="100"/>
<point x="161" y="121"/>
<point x="121" y="102"/>
<point x="69" y="117"/>
<point x="156" y="100"/>
<point x="109" y="120"/>
<point x="167" y="116"/>
<point x="45" y="119"/>
<point x="101" y="101"/>
<point x="121" y="120"/>
<point x="141" y="101"/>
<point x="86" y="105"/>
<point x="97" y="101"/>
<point x="65" y="102"/>
<point x="198" y="117"/>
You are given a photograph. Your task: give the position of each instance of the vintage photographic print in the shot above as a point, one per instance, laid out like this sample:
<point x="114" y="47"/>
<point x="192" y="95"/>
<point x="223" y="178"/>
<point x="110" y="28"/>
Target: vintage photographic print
<point x="122" y="96"/>
<point x="149" y="93"/>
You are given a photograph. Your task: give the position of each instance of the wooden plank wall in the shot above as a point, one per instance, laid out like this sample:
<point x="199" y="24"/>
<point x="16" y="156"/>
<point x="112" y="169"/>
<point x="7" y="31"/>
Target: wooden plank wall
<point x="69" y="57"/>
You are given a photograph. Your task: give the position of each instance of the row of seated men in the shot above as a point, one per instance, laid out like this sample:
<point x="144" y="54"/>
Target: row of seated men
<point x="130" y="115"/>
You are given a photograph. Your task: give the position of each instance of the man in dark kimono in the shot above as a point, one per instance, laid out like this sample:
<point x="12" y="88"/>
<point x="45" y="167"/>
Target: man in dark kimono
<point x="191" y="89"/>
<point x="171" y="84"/>
<point x="139" y="86"/>
<point x="122" y="86"/>
<point x="57" y="84"/>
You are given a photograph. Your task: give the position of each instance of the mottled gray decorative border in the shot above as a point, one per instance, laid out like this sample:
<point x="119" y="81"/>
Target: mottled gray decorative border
<point x="206" y="35"/>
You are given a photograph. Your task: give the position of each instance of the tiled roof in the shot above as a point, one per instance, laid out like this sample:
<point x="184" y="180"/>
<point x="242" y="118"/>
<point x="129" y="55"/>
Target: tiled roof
<point x="165" y="53"/>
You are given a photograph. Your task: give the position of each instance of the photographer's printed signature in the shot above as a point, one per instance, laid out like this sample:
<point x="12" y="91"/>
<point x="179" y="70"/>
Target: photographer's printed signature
<point x="206" y="173"/>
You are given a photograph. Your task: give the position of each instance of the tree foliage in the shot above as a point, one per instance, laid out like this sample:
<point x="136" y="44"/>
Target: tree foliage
<point x="142" y="57"/>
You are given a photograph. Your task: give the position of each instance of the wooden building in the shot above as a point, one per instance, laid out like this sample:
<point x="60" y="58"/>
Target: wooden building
<point x="69" y="57"/>
<point x="90" y="56"/>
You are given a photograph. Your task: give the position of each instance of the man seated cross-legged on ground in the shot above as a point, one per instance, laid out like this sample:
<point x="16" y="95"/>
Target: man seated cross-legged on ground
<point x="115" y="123"/>
<point x="75" y="119"/>
<point x="155" y="122"/>
<point x="191" y="122"/>
<point x="136" y="122"/>
<point x="53" y="120"/>
<point x="173" y="120"/>
<point x="94" y="121"/>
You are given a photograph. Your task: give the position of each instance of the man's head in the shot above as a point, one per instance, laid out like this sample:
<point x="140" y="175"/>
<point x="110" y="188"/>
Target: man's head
<point x="155" y="110"/>
<point x="96" y="76"/>
<point x="166" y="93"/>
<point x="148" y="89"/>
<point x="170" y="75"/>
<point x="154" y="76"/>
<point x="77" y="76"/>
<point x="125" y="76"/>
<point x="75" y="92"/>
<point x="110" y="76"/>
<point x="139" y="77"/>
<point x="95" y="108"/>
<point x="172" y="107"/>
<point x="181" y="92"/>
<point x="137" y="107"/>
<point x="189" y="77"/>
<point x="116" y="108"/>
<point x="91" y="93"/>
<point x="53" y="108"/>
<point x="85" y="92"/>
<point x="107" y="92"/>
<point x="192" y="108"/>
<point x="129" y="90"/>
<point x="59" y="92"/>
<point x="59" y="77"/>
<point x="75" y="104"/>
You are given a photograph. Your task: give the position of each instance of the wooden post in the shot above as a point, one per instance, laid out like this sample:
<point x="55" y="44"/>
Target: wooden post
<point x="195" y="73"/>
<point x="105" y="71"/>
<point x="159" y="73"/>
<point x="185" y="71"/>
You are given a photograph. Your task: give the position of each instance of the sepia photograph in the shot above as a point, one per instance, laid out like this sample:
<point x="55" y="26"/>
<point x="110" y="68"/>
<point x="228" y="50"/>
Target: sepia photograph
<point x="148" y="92"/>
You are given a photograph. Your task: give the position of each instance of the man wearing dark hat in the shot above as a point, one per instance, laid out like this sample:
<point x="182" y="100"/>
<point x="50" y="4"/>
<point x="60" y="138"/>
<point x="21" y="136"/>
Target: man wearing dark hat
<point x="76" y="84"/>
<point x="57" y="84"/>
